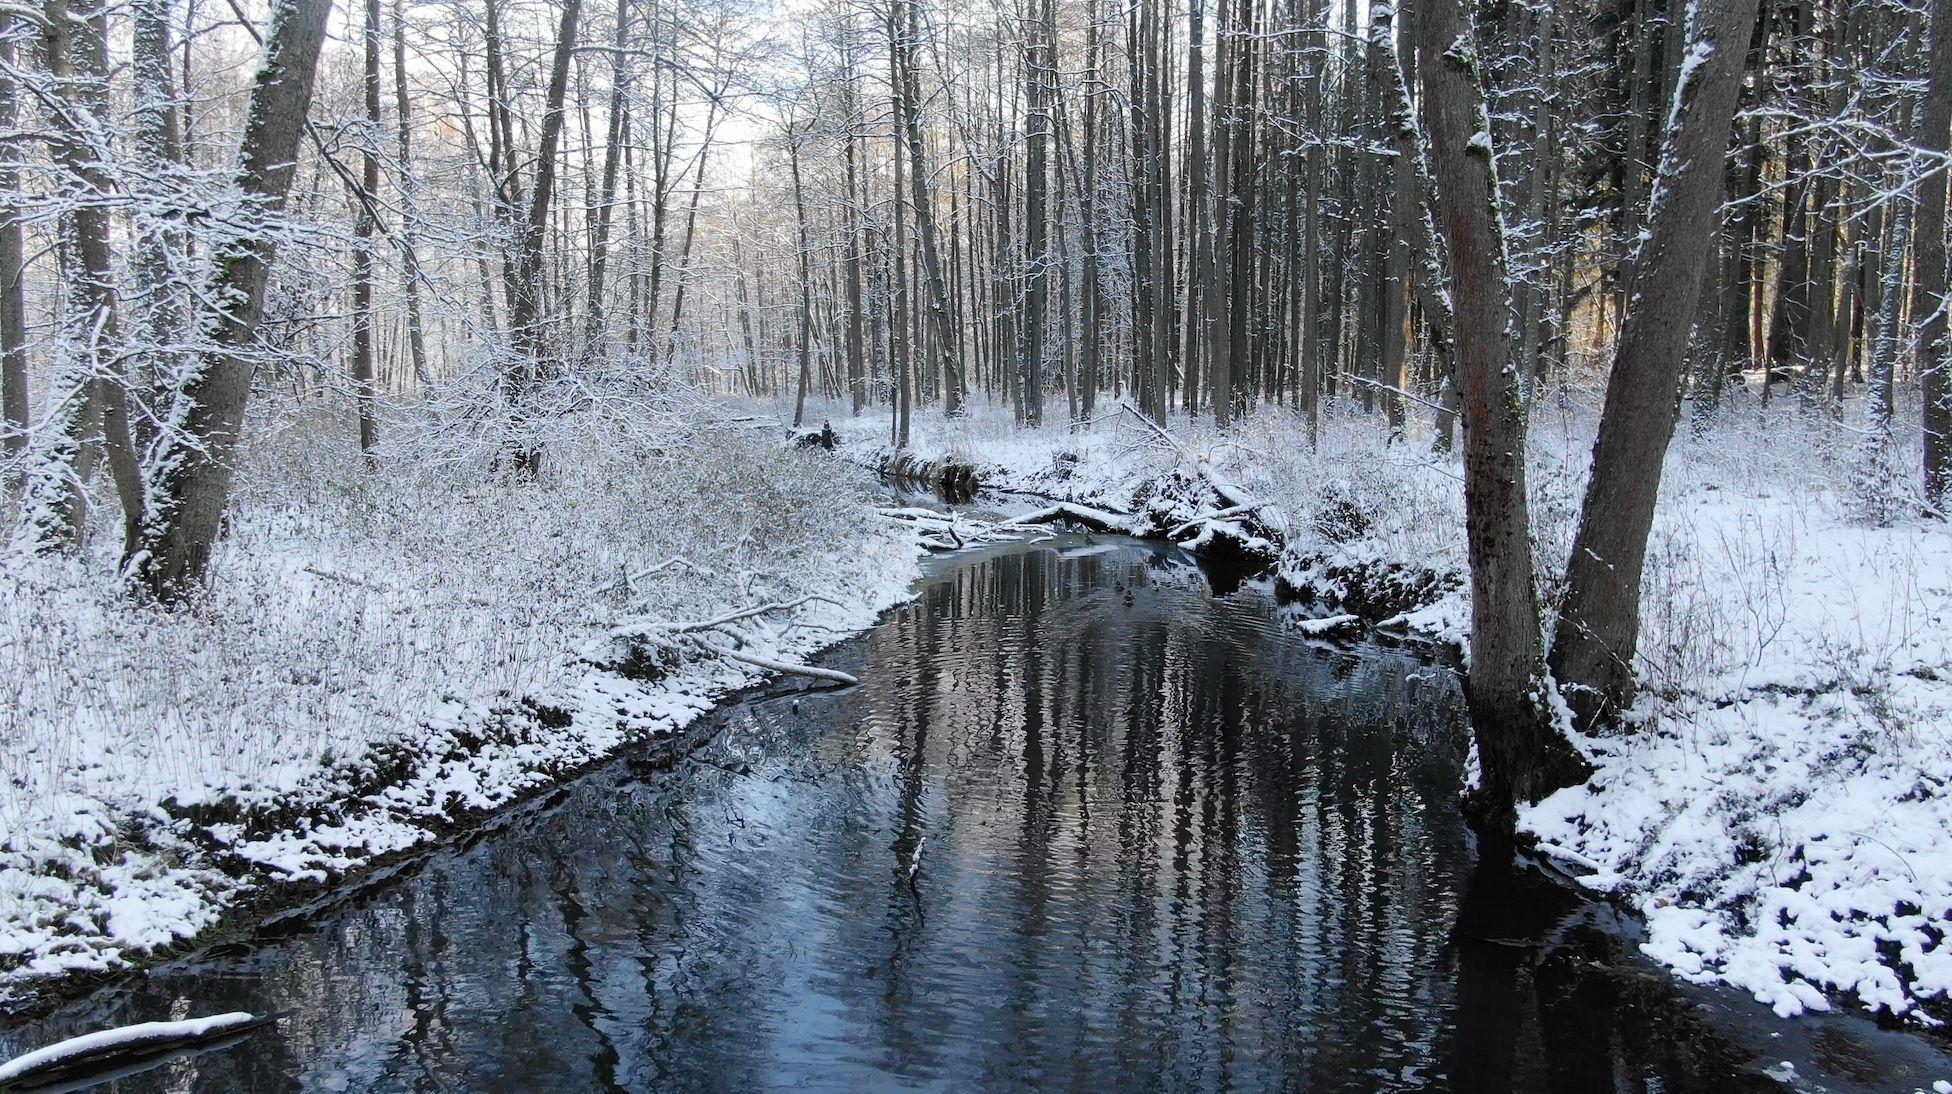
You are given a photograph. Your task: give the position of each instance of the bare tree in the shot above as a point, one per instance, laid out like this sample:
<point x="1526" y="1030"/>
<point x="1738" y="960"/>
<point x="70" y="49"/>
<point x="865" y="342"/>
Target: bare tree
<point x="1599" y="624"/>
<point x="13" y="304"/>
<point x="187" y="480"/>
<point x="1935" y="364"/>
<point x="1522" y="755"/>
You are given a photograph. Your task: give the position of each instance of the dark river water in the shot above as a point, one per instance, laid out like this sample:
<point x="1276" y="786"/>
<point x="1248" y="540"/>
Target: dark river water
<point x="1084" y="825"/>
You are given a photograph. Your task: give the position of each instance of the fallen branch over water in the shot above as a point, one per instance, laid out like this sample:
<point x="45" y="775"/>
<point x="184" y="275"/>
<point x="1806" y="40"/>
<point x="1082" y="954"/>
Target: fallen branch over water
<point x="1098" y="520"/>
<point x="1328" y="624"/>
<point x="758" y="661"/>
<point x="92" y="1053"/>
<point x="952" y="532"/>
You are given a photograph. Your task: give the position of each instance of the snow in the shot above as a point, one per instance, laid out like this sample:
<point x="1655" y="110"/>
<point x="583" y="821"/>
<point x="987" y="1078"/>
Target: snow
<point x="125" y="1037"/>
<point x="386" y="655"/>
<point x="1328" y="624"/>
<point x="1780" y="817"/>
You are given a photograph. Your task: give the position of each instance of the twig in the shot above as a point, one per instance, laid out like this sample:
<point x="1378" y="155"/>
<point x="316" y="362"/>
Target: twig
<point x="759" y="661"/>
<point x="1217" y="514"/>
<point x="629" y="581"/>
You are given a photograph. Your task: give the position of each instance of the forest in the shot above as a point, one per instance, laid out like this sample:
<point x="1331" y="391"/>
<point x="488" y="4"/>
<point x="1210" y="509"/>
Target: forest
<point x="416" y="408"/>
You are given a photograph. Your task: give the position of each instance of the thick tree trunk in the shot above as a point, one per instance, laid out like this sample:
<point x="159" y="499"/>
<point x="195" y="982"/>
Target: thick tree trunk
<point x="1599" y="624"/>
<point x="525" y="319"/>
<point x="188" y="480"/>
<point x="87" y="396"/>
<point x="1522" y="755"/>
<point x="1935" y="364"/>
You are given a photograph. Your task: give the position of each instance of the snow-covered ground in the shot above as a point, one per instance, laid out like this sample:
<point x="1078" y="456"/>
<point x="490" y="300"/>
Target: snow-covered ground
<point x="387" y="652"/>
<point x="1781" y="819"/>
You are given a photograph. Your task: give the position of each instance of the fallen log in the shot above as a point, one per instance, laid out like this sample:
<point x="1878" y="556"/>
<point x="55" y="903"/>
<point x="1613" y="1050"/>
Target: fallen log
<point x="1328" y="624"/>
<point x="92" y="1053"/>
<point x="1223" y="488"/>
<point x="1098" y="520"/>
<point x="667" y="638"/>
<point x="757" y="661"/>
<point x="948" y="477"/>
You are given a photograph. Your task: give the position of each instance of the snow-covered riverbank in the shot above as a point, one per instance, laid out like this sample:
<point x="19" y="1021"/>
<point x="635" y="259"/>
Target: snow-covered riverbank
<point x="387" y="655"/>
<point x="405" y="651"/>
<point x="1781" y="819"/>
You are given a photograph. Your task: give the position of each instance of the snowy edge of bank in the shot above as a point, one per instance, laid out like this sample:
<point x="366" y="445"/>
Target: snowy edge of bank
<point x="1780" y="819"/>
<point x="160" y="881"/>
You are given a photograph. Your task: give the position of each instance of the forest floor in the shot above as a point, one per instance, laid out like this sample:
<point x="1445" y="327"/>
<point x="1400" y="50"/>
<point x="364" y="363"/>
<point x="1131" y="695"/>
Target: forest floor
<point x="393" y="652"/>
<point x="387" y="655"/>
<point x="1780" y="818"/>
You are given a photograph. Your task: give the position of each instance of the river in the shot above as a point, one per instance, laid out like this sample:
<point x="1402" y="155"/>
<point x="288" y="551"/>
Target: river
<point x="1085" y="824"/>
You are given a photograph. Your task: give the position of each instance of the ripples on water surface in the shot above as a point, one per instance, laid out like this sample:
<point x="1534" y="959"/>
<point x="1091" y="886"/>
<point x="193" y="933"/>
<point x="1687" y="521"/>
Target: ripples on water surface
<point x="1084" y="825"/>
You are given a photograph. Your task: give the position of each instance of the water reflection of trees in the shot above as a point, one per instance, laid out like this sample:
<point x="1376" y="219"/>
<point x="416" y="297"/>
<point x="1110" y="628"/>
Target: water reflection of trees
<point x="1083" y="824"/>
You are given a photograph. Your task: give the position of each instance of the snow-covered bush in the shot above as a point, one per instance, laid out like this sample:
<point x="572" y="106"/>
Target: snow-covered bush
<point x="366" y="620"/>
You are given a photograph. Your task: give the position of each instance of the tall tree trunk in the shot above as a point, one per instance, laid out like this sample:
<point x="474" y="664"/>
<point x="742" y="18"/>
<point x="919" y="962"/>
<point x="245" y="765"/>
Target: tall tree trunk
<point x="87" y="395"/>
<point x="14" y="408"/>
<point x="363" y="232"/>
<point x="712" y="115"/>
<point x="188" y="479"/>
<point x="409" y="204"/>
<point x="1599" y="624"/>
<point x="806" y="285"/>
<point x="525" y="311"/>
<point x="1036" y="226"/>
<point x="1522" y="755"/>
<point x="613" y="147"/>
<point x="945" y="343"/>
<point x="857" y="379"/>
<point x="1935" y="364"/>
<point x="158" y="148"/>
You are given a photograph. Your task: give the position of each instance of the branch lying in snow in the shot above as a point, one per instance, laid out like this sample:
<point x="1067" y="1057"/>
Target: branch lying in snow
<point x="749" y="613"/>
<point x="962" y="533"/>
<point x="1327" y="624"/>
<point x="758" y="661"/>
<point x="93" y="1052"/>
<point x="1224" y="487"/>
<point x="669" y="635"/>
<point x="630" y="580"/>
<point x="1098" y="520"/>
<point x="1216" y="515"/>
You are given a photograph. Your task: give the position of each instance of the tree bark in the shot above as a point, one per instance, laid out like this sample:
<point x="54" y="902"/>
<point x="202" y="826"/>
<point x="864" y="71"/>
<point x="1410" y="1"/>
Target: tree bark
<point x="1522" y="755"/>
<point x="14" y="409"/>
<point x="1935" y="365"/>
<point x="188" y="479"/>
<point x="910" y="118"/>
<point x="409" y="211"/>
<point x="1599" y="624"/>
<point x="88" y="399"/>
<point x="158" y="148"/>
<point x="364" y="228"/>
<point x="525" y="312"/>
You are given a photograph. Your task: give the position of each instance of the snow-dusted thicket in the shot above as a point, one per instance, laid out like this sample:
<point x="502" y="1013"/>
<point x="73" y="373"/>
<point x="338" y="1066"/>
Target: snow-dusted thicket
<point x="385" y="651"/>
<point x="1781" y="818"/>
